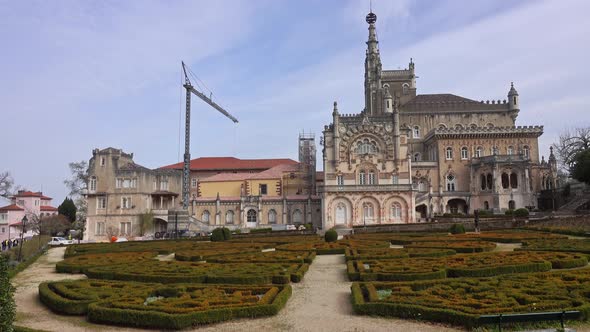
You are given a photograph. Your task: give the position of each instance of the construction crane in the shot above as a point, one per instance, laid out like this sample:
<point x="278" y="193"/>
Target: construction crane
<point x="187" y="130"/>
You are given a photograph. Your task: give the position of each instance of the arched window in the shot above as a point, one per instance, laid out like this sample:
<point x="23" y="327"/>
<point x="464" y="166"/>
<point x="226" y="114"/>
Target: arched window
<point x="478" y="152"/>
<point x="513" y="180"/>
<point x="362" y="177"/>
<point x="483" y="181"/>
<point x="449" y="153"/>
<point x="490" y="181"/>
<point x="92" y="185"/>
<point x="511" y="205"/>
<point x="405" y="88"/>
<point x="416" y="132"/>
<point x="510" y="150"/>
<point x="451" y="182"/>
<point x="368" y="212"/>
<point x="297" y="217"/>
<point x="372" y="177"/>
<point x="396" y="211"/>
<point x="251" y="216"/>
<point x="525" y="151"/>
<point x="422" y="185"/>
<point x="505" y="181"/>
<point x="486" y="205"/>
<point x="464" y="153"/>
<point x="417" y="156"/>
<point x="205" y="216"/>
<point x="229" y="217"/>
<point x="340" y="213"/>
<point x="365" y="146"/>
<point x="272" y="216"/>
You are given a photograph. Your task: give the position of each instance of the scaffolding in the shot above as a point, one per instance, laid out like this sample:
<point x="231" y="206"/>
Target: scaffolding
<point x="307" y="161"/>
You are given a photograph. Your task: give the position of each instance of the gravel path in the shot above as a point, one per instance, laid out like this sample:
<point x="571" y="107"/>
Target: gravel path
<point x="321" y="302"/>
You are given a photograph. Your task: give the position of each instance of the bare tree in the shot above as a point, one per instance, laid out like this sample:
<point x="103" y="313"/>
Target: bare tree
<point x="571" y="142"/>
<point x="78" y="185"/>
<point x="7" y="187"/>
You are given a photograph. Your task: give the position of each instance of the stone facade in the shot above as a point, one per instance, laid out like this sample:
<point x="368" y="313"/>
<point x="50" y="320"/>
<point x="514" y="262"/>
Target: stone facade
<point x="407" y="157"/>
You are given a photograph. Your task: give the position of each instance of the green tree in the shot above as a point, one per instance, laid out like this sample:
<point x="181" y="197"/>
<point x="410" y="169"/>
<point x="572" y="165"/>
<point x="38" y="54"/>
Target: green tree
<point x="68" y="209"/>
<point x="7" y="305"/>
<point x="78" y="185"/>
<point x="581" y="167"/>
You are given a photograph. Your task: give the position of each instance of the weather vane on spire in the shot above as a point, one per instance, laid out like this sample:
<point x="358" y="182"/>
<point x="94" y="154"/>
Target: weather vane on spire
<point x="371" y="17"/>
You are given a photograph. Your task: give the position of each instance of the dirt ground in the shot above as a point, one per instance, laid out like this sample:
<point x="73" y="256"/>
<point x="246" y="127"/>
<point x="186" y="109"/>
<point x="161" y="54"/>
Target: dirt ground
<point x="321" y="302"/>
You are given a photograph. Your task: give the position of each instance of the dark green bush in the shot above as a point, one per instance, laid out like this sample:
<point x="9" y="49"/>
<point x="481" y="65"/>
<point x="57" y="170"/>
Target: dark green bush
<point x="522" y="212"/>
<point x="509" y="212"/>
<point x="261" y="230"/>
<point x="221" y="234"/>
<point x="7" y="306"/>
<point x="457" y="229"/>
<point x="331" y="236"/>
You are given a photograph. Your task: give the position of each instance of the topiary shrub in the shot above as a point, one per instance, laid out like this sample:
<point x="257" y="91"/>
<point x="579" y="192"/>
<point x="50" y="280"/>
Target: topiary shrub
<point x="522" y="212"/>
<point x="7" y="306"/>
<point x="220" y="234"/>
<point x="509" y="212"/>
<point x="331" y="235"/>
<point x="457" y="229"/>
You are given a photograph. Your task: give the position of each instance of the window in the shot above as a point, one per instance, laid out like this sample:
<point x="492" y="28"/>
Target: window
<point x="416" y="132"/>
<point x="513" y="181"/>
<point x="478" y="152"/>
<point x="340" y="213"/>
<point x="100" y="228"/>
<point x="494" y="150"/>
<point x="362" y="177"/>
<point x="272" y="217"/>
<point x="417" y="156"/>
<point x="371" y="177"/>
<point x="3" y="229"/>
<point x="102" y="161"/>
<point x="340" y="179"/>
<point x="126" y="202"/>
<point x="126" y="183"/>
<point x="464" y="153"/>
<point x="366" y="146"/>
<point x="483" y="181"/>
<point x="505" y="181"/>
<point x="36" y="202"/>
<point x="92" y="183"/>
<point x="525" y="151"/>
<point x="164" y="183"/>
<point x="205" y="216"/>
<point x="368" y="212"/>
<point x="119" y="183"/>
<point x="134" y="183"/>
<point x="3" y="217"/>
<point x="449" y="153"/>
<point x="101" y="203"/>
<point x="451" y="182"/>
<point x="486" y="205"/>
<point x="194" y="182"/>
<point x="511" y="205"/>
<point x="406" y="88"/>
<point x="490" y="179"/>
<point x="125" y="228"/>
<point x="509" y="150"/>
<point x="263" y="189"/>
<point x="396" y="211"/>
<point x="155" y="186"/>
<point x="251" y="215"/>
<point x="422" y="185"/>
<point x="229" y="217"/>
<point x="394" y="179"/>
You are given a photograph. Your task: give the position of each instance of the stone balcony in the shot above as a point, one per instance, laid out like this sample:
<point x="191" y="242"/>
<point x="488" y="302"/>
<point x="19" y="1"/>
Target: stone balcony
<point x="365" y="188"/>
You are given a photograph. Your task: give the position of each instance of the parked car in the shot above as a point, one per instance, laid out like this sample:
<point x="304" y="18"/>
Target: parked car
<point x="121" y="239"/>
<point x="60" y="241"/>
<point x="291" y="227"/>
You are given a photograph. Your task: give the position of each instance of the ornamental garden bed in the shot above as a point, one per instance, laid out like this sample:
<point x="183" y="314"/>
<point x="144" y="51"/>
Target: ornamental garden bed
<point x="266" y="257"/>
<point x="78" y="264"/>
<point x="475" y="265"/>
<point x="278" y="239"/>
<point x="332" y="248"/>
<point x="563" y="245"/>
<point x="391" y="253"/>
<point x="161" y="306"/>
<point x="461" y="301"/>
<point x="458" y="246"/>
<point x="203" y="254"/>
<point x="183" y="272"/>
<point x="508" y="236"/>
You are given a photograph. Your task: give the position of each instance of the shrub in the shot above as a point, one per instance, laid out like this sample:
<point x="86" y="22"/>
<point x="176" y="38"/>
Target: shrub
<point x="220" y="234"/>
<point x="261" y="230"/>
<point x="331" y="236"/>
<point x="509" y="212"/>
<point x="457" y="229"/>
<point x="522" y="212"/>
<point x="7" y="306"/>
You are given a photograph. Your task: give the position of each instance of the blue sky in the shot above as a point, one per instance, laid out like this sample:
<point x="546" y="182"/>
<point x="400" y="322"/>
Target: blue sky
<point x="79" y="75"/>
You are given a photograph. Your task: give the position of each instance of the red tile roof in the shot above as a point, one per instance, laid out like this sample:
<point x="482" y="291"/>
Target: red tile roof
<point x="32" y="194"/>
<point x="231" y="163"/>
<point x="12" y="207"/>
<point x="275" y="172"/>
<point x="48" y="208"/>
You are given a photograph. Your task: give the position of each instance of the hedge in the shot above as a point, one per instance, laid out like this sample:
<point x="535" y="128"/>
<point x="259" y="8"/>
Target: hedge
<point x="163" y="306"/>
<point x="508" y="236"/>
<point x="458" y="246"/>
<point x="461" y="301"/>
<point x="78" y="264"/>
<point x="266" y="257"/>
<point x="332" y="248"/>
<point x="562" y="245"/>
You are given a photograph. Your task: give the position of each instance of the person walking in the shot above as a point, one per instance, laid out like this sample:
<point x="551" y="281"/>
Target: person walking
<point x="476" y="220"/>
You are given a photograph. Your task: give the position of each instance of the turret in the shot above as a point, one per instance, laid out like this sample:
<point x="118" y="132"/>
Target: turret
<point x="387" y="100"/>
<point x="336" y="127"/>
<point x="513" y="102"/>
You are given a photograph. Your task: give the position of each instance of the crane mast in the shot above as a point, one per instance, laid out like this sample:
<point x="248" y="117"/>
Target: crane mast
<point x="187" y="131"/>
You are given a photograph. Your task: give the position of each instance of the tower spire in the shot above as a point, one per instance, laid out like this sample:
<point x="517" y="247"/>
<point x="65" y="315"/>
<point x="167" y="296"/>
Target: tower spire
<point x="372" y="67"/>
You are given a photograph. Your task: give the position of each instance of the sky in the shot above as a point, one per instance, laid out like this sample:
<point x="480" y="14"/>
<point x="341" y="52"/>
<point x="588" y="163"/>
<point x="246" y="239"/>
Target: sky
<point x="80" y="75"/>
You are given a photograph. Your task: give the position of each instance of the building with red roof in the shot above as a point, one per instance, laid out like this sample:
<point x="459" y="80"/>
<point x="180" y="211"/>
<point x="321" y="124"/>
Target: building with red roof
<point x="23" y="203"/>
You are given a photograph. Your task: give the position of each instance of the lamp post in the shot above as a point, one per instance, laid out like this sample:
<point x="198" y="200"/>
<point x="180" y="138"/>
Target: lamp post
<point x="22" y="233"/>
<point x="176" y="225"/>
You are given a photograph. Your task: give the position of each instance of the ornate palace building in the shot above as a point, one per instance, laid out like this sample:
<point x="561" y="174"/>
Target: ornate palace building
<point x="409" y="156"/>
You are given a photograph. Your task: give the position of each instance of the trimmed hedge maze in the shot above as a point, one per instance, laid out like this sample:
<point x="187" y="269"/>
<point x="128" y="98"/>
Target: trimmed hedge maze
<point x="332" y="248"/>
<point x="162" y="306"/>
<point x="461" y="301"/>
<point x="79" y="264"/>
<point x="563" y="245"/>
<point x="352" y="254"/>
<point x="458" y="246"/>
